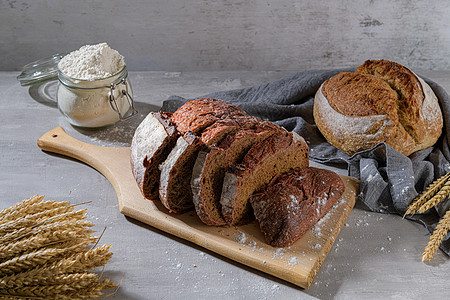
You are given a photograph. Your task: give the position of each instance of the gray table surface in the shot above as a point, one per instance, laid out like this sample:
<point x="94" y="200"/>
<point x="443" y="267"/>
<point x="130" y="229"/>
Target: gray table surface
<point x="375" y="256"/>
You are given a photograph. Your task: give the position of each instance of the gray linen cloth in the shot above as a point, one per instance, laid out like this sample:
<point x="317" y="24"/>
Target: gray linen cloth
<point x="389" y="179"/>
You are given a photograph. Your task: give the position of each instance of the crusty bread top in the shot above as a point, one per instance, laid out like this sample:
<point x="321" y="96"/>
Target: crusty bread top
<point x="293" y="202"/>
<point x="271" y="145"/>
<point x="345" y="95"/>
<point x="196" y="115"/>
<point x="408" y="87"/>
<point x="401" y="79"/>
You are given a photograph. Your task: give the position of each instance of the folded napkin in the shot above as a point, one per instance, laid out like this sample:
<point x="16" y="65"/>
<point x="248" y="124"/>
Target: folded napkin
<point x="389" y="179"/>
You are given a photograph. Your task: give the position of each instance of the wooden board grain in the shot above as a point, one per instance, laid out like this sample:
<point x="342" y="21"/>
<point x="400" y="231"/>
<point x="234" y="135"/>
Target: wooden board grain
<point x="297" y="264"/>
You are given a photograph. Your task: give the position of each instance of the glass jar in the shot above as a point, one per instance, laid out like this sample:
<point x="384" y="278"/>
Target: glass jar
<point x="85" y="103"/>
<point x="95" y="103"/>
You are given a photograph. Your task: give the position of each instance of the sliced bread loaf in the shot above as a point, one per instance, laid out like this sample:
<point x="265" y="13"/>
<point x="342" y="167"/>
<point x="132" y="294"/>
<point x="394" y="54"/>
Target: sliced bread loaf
<point x="266" y="159"/>
<point x="152" y="142"/>
<point x="201" y="123"/>
<point x="293" y="202"/>
<point x="211" y="164"/>
<point x="176" y="171"/>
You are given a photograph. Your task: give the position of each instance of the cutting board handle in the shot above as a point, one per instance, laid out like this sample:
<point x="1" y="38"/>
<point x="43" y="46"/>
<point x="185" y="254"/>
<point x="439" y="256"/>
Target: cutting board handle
<point x="98" y="157"/>
<point x="58" y="141"/>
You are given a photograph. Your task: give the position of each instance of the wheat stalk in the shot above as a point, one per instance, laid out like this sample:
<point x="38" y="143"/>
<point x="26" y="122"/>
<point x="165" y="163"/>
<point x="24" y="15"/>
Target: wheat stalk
<point x="33" y="209"/>
<point x="45" y="217"/>
<point x="76" y="280"/>
<point x="33" y="259"/>
<point x="17" y="207"/>
<point x="69" y="225"/>
<point x="426" y="195"/>
<point x="46" y="239"/>
<point x="44" y="254"/>
<point x="439" y="234"/>
<point x="441" y="195"/>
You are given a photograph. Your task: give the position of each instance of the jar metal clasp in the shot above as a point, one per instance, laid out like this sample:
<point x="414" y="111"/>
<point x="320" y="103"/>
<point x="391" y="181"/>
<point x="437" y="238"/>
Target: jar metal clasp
<point x="123" y="92"/>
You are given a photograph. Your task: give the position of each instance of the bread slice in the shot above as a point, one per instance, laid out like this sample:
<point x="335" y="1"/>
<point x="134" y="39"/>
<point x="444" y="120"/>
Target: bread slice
<point x="273" y="156"/>
<point x="293" y="202"/>
<point x="210" y="167"/>
<point x="152" y="142"/>
<point x="174" y="190"/>
<point x="176" y="171"/>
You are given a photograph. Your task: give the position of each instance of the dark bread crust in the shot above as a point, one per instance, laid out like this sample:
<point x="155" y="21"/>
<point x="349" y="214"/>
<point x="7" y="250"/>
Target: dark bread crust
<point x="293" y="202"/>
<point x="198" y="114"/>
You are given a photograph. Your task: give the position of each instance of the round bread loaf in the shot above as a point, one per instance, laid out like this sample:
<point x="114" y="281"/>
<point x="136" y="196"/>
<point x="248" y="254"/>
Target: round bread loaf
<point x="382" y="101"/>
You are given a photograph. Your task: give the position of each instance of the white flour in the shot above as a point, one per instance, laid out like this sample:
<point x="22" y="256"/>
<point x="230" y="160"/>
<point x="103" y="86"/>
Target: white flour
<point x="83" y="96"/>
<point x="92" y="62"/>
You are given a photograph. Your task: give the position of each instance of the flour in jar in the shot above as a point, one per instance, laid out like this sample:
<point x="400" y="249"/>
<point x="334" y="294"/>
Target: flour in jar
<point x="86" y="76"/>
<point x="92" y="62"/>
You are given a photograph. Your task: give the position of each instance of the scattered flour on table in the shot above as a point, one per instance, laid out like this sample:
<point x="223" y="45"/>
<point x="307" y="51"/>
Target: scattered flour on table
<point x="241" y="238"/>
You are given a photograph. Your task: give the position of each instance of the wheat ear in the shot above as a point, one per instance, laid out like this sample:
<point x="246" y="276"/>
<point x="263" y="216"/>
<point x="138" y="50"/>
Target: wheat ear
<point x="426" y="195"/>
<point x="49" y="216"/>
<point x="47" y="290"/>
<point x="76" y="280"/>
<point x="80" y="262"/>
<point x="69" y="225"/>
<point x="46" y="239"/>
<point x="33" y="259"/>
<point x="18" y="206"/>
<point x="439" y="234"/>
<point x="90" y="292"/>
<point x="33" y="209"/>
<point x="441" y="195"/>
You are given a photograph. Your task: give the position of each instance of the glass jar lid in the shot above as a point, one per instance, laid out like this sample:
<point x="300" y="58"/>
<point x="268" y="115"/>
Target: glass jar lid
<point x="40" y="70"/>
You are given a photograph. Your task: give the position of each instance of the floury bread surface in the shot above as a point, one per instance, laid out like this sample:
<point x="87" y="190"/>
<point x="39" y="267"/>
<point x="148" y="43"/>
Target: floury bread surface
<point x="382" y="101"/>
<point x="152" y="142"/>
<point x="293" y="202"/>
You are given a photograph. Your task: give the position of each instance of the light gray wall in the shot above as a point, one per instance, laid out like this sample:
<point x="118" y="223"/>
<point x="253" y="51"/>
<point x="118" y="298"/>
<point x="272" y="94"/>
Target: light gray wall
<point x="177" y="35"/>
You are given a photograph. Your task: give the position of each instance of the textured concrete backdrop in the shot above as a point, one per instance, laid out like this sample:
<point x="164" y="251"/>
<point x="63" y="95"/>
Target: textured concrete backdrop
<point x="177" y="35"/>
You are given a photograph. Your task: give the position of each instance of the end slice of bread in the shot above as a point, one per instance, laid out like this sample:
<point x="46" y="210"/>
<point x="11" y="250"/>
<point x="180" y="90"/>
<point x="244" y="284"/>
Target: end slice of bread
<point x="276" y="155"/>
<point x="152" y="142"/>
<point x="293" y="202"/>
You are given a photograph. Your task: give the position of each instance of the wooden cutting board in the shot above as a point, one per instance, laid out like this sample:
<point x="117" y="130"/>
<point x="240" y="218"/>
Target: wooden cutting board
<point x="297" y="264"/>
